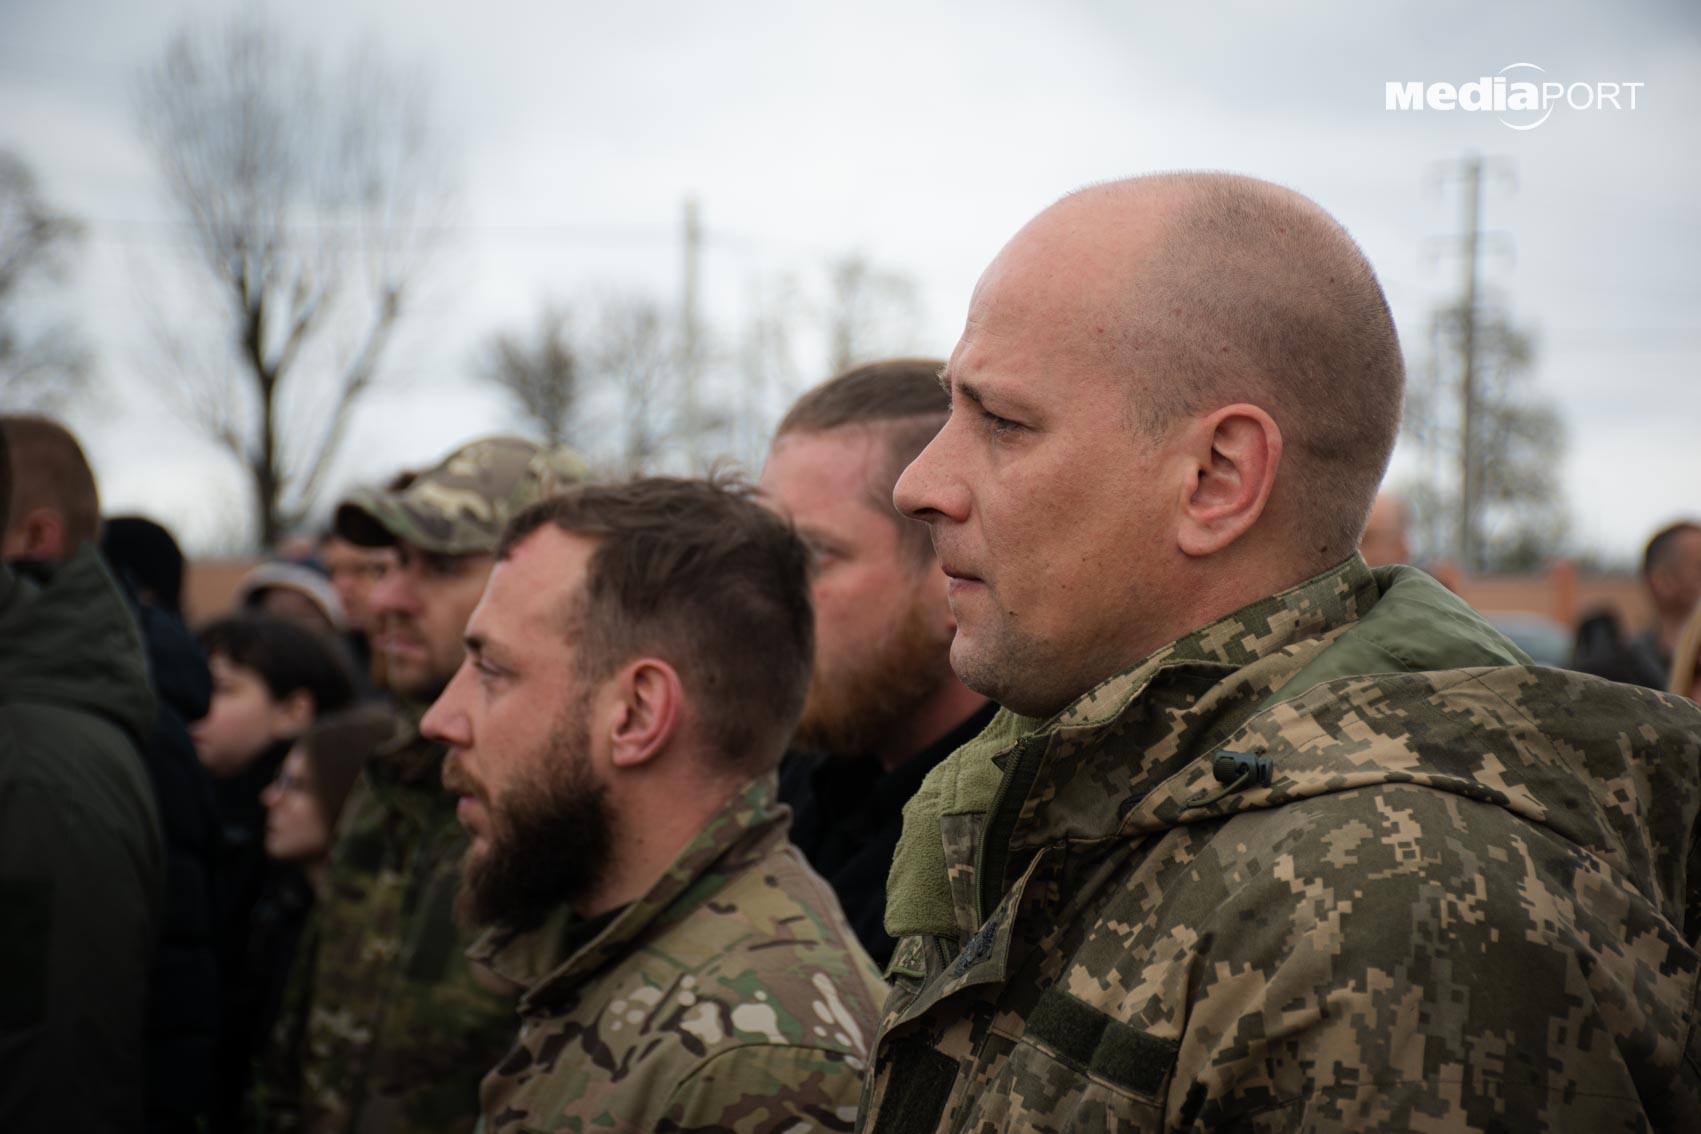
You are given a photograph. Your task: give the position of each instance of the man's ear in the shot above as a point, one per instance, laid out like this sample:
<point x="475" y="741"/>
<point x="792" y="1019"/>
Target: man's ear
<point x="1234" y="456"/>
<point x="1659" y="582"/>
<point x="648" y="709"/>
<point x="38" y="534"/>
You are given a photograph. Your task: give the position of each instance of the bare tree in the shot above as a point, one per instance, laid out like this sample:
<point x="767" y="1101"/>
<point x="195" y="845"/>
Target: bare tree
<point x="870" y="311"/>
<point x="312" y="204"/>
<point x="39" y="367"/>
<point x="539" y="373"/>
<point x="633" y="357"/>
<point x="1516" y="448"/>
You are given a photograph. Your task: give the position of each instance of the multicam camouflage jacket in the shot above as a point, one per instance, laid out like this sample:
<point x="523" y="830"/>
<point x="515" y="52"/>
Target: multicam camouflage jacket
<point x="1456" y="903"/>
<point x="386" y="1027"/>
<point x="731" y="998"/>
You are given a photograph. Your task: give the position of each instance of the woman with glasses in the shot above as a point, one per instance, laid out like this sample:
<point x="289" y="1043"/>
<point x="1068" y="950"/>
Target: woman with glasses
<point x="302" y="806"/>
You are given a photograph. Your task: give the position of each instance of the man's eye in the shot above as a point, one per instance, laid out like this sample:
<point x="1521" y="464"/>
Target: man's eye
<point x="999" y="424"/>
<point x="820" y="556"/>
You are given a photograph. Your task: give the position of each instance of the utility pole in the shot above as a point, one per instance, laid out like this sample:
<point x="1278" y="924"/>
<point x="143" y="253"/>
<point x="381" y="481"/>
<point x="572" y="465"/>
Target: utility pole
<point x="689" y="338"/>
<point x="1467" y="372"/>
<point x="1471" y="242"/>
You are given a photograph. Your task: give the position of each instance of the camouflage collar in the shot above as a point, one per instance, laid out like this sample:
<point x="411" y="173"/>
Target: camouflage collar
<point x="1135" y="753"/>
<point x="991" y="793"/>
<point x="552" y="963"/>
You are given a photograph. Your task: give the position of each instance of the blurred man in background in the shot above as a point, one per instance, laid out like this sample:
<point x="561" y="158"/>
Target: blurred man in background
<point x="1386" y="540"/>
<point x="884" y="706"/>
<point x="55" y="518"/>
<point x="634" y="670"/>
<point x="1671" y="578"/>
<point x="82" y="883"/>
<point x="144" y="554"/>
<point x="355" y="571"/>
<point x="386" y="1027"/>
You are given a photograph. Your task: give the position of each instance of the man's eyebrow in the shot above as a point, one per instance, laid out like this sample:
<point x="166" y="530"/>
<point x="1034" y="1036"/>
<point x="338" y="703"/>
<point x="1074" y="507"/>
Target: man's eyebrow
<point x="483" y="649"/>
<point x="971" y="393"/>
<point x="962" y="387"/>
<point x="974" y="394"/>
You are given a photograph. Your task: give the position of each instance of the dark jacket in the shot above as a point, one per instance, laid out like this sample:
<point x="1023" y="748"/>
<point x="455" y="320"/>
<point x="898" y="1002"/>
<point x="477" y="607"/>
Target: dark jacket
<point x="255" y="979"/>
<point x="1633" y="661"/>
<point x="81" y="877"/>
<point x="244" y="868"/>
<point x="246" y="879"/>
<point x="847" y="814"/>
<point x="184" y="1013"/>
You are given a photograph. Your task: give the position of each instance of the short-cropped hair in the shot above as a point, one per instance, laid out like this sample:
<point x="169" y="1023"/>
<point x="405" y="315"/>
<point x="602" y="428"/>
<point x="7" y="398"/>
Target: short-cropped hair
<point x="49" y="470"/>
<point x="697" y="573"/>
<point x="1663" y="546"/>
<point x="903" y="398"/>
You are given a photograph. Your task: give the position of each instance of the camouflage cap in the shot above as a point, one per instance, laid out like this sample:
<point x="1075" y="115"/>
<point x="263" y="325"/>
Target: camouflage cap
<point x="460" y="506"/>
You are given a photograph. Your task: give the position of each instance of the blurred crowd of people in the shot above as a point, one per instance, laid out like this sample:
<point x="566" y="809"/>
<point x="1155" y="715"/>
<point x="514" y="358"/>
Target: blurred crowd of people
<point x="525" y="798"/>
<point x="1661" y="655"/>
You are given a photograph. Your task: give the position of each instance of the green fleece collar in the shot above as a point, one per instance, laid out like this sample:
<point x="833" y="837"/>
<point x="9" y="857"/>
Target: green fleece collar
<point x="918" y="892"/>
<point x="1398" y="620"/>
<point x="1417" y="625"/>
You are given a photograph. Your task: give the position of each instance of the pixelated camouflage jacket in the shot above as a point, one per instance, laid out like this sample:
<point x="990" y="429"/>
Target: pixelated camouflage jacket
<point x="732" y="997"/>
<point x="386" y="1027"/>
<point x="1458" y="904"/>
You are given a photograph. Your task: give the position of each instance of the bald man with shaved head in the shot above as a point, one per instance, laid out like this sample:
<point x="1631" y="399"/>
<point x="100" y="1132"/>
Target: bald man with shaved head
<point x="1261" y="838"/>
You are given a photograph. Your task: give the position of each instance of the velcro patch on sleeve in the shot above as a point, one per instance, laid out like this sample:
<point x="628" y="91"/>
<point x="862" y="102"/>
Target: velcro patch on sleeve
<point x="1094" y="1044"/>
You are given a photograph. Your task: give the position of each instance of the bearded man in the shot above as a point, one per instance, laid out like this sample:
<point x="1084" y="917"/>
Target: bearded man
<point x="385" y="1026"/>
<point x="633" y="671"/>
<point x="884" y="706"/>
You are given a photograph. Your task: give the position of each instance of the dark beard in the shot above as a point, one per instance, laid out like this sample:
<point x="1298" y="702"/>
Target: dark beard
<point x="850" y="711"/>
<point x="550" y="840"/>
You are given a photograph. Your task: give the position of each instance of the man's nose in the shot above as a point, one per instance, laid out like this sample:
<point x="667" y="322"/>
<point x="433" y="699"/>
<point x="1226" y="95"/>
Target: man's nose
<point x="446" y="721"/>
<point x="394" y="591"/>
<point x="925" y="491"/>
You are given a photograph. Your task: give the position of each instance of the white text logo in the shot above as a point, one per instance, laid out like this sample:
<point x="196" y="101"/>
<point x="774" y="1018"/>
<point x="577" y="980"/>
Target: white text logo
<point x="1520" y="99"/>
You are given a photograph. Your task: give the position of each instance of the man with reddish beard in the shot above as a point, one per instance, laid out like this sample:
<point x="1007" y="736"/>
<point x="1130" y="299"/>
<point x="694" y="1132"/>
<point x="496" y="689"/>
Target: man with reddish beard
<point x="884" y="706"/>
<point x="633" y="672"/>
<point x="386" y="1027"/>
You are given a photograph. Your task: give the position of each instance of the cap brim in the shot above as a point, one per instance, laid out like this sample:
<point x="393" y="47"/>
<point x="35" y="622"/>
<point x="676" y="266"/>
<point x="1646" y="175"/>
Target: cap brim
<point x="365" y="521"/>
<point x="375" y="519"/>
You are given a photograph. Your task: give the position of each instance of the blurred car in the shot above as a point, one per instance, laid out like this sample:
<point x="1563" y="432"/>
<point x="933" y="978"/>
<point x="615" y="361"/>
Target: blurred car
<point x="1546" y="641"/>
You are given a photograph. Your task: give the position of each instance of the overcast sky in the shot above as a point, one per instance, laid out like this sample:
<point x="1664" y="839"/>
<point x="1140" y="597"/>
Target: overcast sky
<point x="923" y="135"/>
